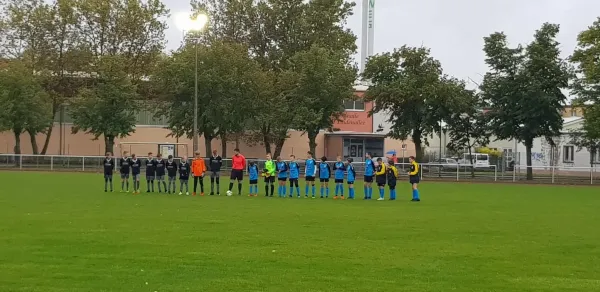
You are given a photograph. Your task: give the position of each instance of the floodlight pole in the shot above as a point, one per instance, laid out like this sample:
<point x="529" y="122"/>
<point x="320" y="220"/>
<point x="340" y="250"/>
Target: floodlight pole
<point x="195" y="139"/>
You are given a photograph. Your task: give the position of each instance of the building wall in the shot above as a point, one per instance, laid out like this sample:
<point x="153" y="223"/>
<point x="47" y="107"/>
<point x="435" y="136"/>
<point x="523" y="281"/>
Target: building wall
<point x="356" y="120"/>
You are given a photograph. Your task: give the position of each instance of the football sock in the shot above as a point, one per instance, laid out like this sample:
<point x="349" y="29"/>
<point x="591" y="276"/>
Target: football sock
<point x="122" y="185"/>
<point x="239" y="188"/>
<point x="416" y="194"/>
<point x="393" y="194"/>
<point x="267" y="190"/>
<point x="322" y="191"/>
<point x="342" y="190"/>
<point x="314" y="189"/>
<point x="370" y="192"/>
<point x="297" y="191"/>
<point x="366" y="192"/>
<point x="272" y="189"/>
<point x="212" y="184"/>
<point x="327" y="192"/>
<point x="337" y="188"/>
<point x="306" y="190"/>
<point x="351" y="193"/>
<point x="382" y="193"/>
<point x="230" y="186"/>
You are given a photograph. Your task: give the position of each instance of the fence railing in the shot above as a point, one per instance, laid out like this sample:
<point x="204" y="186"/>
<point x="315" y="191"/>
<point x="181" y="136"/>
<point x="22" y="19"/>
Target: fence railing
<point x="429" y="171"/>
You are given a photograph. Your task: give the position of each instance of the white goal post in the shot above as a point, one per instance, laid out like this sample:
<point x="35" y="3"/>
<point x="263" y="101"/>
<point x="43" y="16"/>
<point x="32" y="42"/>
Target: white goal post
<point x="164" y="148"/>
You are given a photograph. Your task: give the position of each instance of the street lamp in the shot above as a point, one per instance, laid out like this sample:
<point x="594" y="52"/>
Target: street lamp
<point x="187" y="22"/>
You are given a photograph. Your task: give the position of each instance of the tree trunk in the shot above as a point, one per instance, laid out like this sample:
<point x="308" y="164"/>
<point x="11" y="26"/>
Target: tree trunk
<point x="528" y="146"/>
<point x="223" y="145"/>
<point x="471" y="162"/>
<point x="17" y="148"/>
<point x="278" y="147"/>
<point x="312" y="141"/>
<point x="266" y="139"/>
<point x="109" y="144"/>
<point x="34" y="145"/>
<point x="207" y="145"/>
<point x="416" y="137"/>
<point x="47" y="140"/>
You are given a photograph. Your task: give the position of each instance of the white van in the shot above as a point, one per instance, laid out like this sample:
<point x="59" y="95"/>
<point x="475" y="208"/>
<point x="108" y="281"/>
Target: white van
<point x="480" y="160"/>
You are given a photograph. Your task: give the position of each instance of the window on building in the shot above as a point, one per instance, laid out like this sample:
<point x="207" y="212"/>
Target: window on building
<point x="354" y="105"/>
<point x="568" y="153"/>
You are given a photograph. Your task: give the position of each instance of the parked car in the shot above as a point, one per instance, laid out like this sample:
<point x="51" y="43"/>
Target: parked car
<point x="444" y="164"/>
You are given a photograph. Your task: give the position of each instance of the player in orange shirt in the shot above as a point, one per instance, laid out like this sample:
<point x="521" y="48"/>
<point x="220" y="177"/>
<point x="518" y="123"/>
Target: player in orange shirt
<point x="198" y="170"/>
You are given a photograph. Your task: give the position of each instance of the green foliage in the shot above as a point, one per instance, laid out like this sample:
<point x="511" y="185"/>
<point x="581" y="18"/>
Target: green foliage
<point x="108" y="108"/>
<point x="322" y="82"/>
<point x="524" y="86"/>
<point x="409" y="86"/>
<point x="229" y="83"/>
<point x="25" y="106"/>
<point x="586" y="83"/>
<point x="467" y="126"/>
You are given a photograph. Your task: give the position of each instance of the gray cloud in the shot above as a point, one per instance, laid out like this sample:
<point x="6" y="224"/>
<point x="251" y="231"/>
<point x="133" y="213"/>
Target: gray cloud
<point x="454" y="30"/>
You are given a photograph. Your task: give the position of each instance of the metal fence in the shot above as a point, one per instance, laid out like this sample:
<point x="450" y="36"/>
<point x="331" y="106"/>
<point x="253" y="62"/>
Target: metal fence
<point x="429" y="171"/>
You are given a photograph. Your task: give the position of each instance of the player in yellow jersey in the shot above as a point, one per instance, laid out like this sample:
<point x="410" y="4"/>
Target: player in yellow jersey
<point x="413" y="176"/>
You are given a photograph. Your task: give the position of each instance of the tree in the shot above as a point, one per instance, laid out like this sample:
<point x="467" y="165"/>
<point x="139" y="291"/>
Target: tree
<point x="467" y="125"/>
<point x="588" y="136"/>
<point x="409" y="85"/>
<point x="229" y="83"/>
<point x="523" y="88"/>
<point x="108" y="108"/>
<point x="586" y="84"/>
<point x="323" y="81"/>
<point x="25" y="106"/>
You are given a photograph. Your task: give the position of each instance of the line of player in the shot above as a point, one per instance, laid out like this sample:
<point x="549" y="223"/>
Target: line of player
<point x="383" y="174"/>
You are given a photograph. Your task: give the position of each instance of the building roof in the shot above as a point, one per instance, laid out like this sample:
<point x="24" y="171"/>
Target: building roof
<point x="355" y="134"/>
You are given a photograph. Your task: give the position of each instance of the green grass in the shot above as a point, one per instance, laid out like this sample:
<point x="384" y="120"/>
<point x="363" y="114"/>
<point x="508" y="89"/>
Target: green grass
<point x="61" y="232"/>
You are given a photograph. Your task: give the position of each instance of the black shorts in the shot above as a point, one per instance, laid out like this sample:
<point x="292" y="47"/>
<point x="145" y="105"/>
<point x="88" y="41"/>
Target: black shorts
<point x="392" y="186"/>
<point x="414" y="179"/>
<point x="368" y="178"/>
<point x="381" y="182"/>
<point x="282" y="178"/>
<point x="339" y="181"/>
<point x="310" y="178"/>
<point x="350" y="182"/>
<point x="324" y="180"/>
<point x="253" y="181"/>
<point x="269" y="179"/>
<point x="237" y="174"/>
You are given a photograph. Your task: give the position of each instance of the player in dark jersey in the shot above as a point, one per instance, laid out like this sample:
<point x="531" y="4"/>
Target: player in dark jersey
<point x="161" y="167"/>
<point x="172" y="173"/>
<point x="150" y="173"/>
<point x="125" y="169"/>
<point x="136" y="170"/>
<point x="109" y="168"/>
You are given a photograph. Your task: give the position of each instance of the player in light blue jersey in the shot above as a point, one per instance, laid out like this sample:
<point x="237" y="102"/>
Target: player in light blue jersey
<point x="282" y="175"/>
<point x="253" y="176"/>
<point x="369" y="174"/>
<point x="351" y="177"/>
<point x="340" y="169"/>
<point x="324" y="176"/>
<point x="294" y="169"/>
<point x="310" y="172"/>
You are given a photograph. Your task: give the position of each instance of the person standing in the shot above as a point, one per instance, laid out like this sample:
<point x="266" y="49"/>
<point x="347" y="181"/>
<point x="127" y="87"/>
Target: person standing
<point x="253" y="177"/>
<point x="215" y="163"/>
<point x="413" y="176"/>
<point x="310" y="172"/>
<point x="198" y="170"/>
<point x="109" y="168"/>
<point x="381" y="178"/>
<point x="125" y="169"/>
<point x="294" y="176"/>
<point x="369" y="173"/>
<point x="340" y="169"/>
<point x="282" y="175"/>
<point x="351" y="177"/>
<point x="269" y="173"/>
<point x="150" y="173"/>
<point x="160" y="167"/>
<point x="238" y="164"/>
<point x="184" y="176"/>
<point x="392" y="177"/>
<point x="324" y="176"/>
<point x="172" y="174"/>
<point x="136" y="170"/>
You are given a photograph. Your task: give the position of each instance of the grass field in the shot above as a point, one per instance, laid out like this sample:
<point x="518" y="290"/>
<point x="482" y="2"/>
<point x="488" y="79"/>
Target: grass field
<point x="61" y="232"/>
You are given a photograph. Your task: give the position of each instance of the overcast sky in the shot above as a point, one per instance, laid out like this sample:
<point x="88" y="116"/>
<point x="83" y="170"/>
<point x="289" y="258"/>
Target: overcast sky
<point x="454" y="29"/>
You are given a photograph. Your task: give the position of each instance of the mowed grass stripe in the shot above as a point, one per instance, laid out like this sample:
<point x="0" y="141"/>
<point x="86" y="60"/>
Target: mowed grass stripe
<point x="61" y="232"/>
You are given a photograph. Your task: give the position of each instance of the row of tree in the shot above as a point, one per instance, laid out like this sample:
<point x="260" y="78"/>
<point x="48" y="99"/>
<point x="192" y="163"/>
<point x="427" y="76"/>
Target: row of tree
<point x="267" y="66"/>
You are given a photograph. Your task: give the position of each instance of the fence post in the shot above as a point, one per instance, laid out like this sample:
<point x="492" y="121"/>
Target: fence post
<point x="515" y="172"/>
<point x="552" y="173"/>
<point x="83" y="163"/>
<point x="52" y="162"/>
<point x="495" y="173"/>
<point x="591" y="175"/>
<point x="20" y="161"/>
